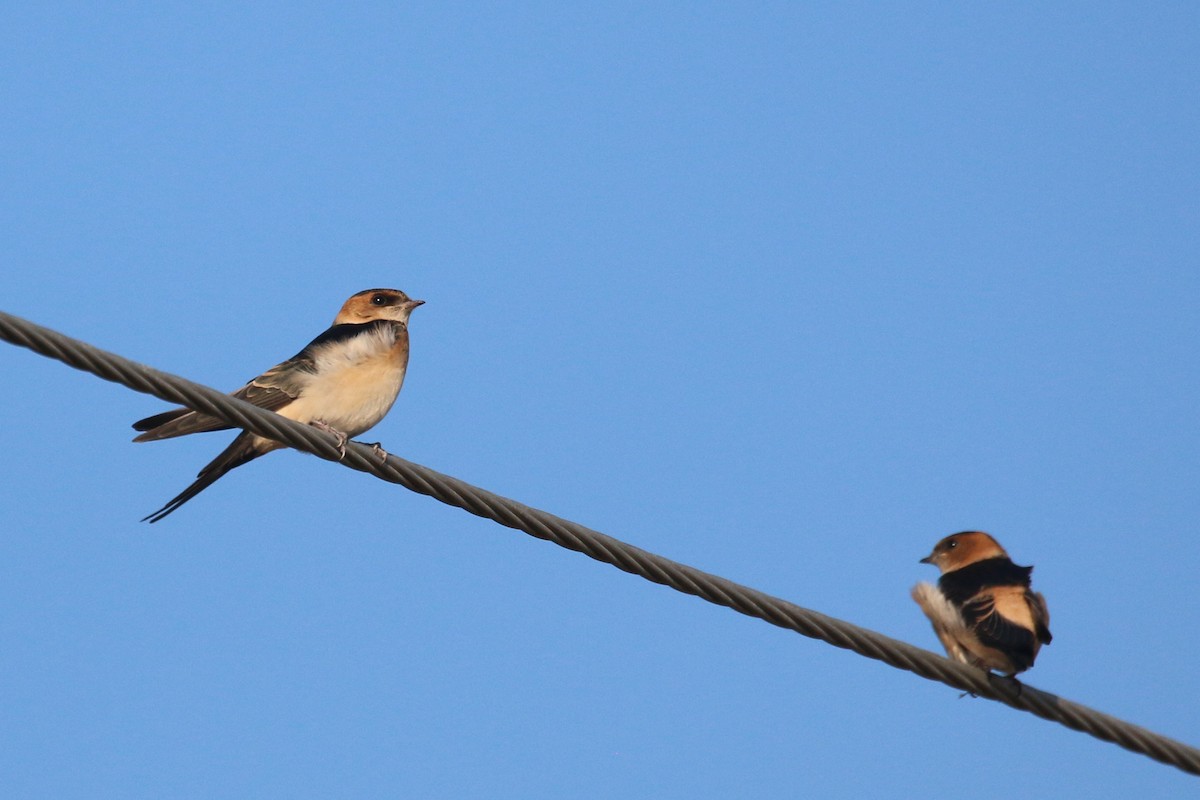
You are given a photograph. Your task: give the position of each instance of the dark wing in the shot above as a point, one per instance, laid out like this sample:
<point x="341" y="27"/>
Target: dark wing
<point x="272" y="390"/>
<point x="995" y="630"/>
<point x="1041" y="616"/>
<point x="279" y="385"/>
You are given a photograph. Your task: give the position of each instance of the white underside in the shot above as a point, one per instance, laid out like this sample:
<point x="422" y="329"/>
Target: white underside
<point x="947" y="622"/>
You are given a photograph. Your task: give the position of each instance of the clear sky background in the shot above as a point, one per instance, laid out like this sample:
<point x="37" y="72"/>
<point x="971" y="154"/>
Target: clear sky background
<point x="783" y="291"/>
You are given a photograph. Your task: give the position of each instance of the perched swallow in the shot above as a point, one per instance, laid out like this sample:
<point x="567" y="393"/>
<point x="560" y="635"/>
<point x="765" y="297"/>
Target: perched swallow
<point x="344" y="382"/>
<point x="982" y="609"/>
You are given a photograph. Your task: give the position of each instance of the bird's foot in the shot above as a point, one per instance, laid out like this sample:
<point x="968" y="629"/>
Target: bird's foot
<point x="1010" y="683"/>
<point x="377" y="447"/>
<point x="342" y="438"/>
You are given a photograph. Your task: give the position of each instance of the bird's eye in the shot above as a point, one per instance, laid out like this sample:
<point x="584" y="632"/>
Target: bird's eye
<point x="953" y="543"/>
<point x="378" y="300"/>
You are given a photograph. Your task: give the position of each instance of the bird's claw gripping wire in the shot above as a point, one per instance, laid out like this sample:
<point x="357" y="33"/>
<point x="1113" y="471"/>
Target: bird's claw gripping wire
<point x="342" y="438"/>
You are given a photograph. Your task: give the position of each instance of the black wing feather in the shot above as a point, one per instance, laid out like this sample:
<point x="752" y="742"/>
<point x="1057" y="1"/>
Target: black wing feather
<point x="995" y="630"/>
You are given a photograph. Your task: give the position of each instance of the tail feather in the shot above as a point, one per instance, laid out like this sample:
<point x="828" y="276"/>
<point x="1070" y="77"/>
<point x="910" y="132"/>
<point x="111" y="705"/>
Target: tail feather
<point x="176" y="422"/>
<point x="150" y="423"/>
<point x="246" y="447"/>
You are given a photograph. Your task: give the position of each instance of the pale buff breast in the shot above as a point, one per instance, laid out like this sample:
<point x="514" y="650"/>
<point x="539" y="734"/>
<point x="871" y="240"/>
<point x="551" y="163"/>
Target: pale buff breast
<point x="355" y="382"/>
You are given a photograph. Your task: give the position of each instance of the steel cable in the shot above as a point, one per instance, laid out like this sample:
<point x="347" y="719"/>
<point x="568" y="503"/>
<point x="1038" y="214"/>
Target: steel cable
<point x="598" y="546"/>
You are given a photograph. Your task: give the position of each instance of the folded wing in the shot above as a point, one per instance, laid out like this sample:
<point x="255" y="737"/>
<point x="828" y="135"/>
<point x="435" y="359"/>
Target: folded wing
<point x="274" y="389"/>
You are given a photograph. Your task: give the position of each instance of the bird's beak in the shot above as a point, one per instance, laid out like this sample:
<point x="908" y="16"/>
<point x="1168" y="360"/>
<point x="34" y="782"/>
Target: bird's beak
<point x="927" y="559"/>
<point x="414" y="303"/>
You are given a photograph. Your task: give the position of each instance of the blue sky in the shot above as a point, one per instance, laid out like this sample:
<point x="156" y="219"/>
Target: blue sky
<point x="783" y="291"/>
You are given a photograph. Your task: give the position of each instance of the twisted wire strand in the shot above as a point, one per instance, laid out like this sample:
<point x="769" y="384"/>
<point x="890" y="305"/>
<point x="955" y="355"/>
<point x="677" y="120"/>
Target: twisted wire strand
<point x="600" y="547"/>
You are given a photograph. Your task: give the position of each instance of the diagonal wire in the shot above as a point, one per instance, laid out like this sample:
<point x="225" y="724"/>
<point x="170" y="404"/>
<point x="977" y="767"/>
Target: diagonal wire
<point x="600" y="547"/>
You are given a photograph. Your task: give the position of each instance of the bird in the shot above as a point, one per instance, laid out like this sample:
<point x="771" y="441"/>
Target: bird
<point x="983" y="609"/>
<point x="343" y="382"/>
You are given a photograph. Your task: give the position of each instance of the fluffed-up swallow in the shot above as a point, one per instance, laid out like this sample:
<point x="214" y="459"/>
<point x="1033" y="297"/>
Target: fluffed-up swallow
<point x="344" y="382"/>
<point x="982" y="608"/>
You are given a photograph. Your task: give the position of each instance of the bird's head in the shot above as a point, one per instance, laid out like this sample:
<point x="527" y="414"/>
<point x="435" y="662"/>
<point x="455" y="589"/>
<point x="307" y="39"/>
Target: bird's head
<point x="961" y="549"/>
<point x="373" y="304"/>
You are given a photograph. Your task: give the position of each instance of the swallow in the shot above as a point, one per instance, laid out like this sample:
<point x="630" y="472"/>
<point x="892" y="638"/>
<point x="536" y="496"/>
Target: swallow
<point x="342" y="382"/>
<point x="983" y="609"/>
